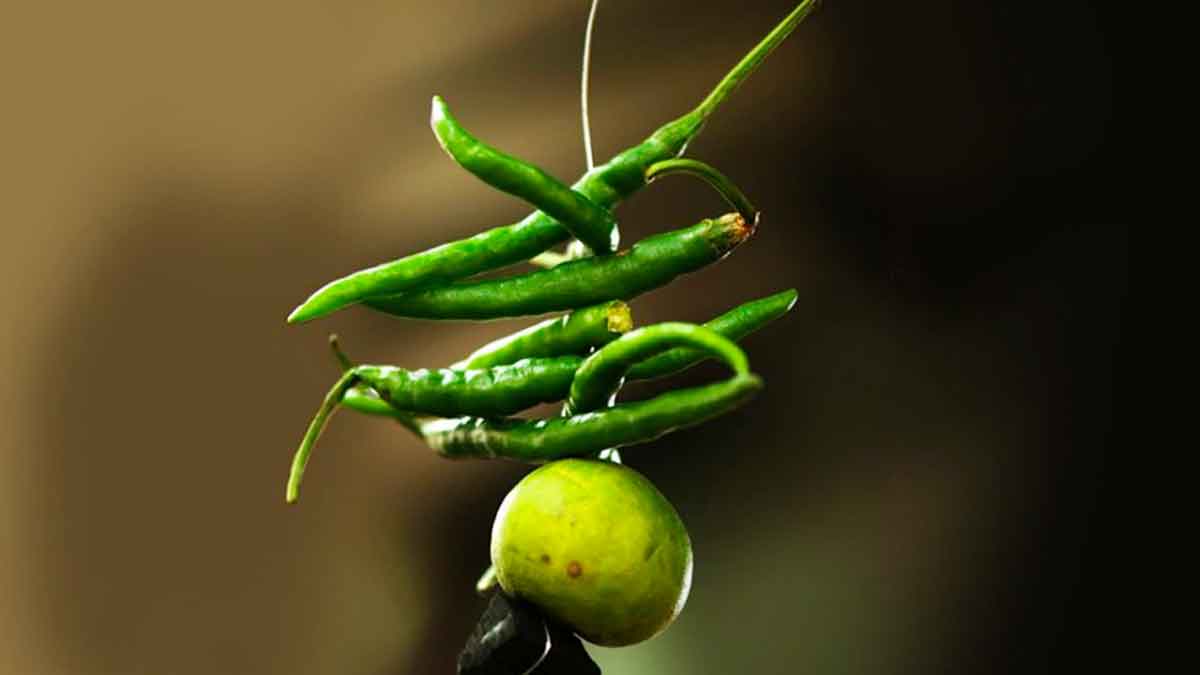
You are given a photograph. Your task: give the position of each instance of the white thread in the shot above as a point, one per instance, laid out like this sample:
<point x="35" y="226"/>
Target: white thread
<point x="583" y="87"/>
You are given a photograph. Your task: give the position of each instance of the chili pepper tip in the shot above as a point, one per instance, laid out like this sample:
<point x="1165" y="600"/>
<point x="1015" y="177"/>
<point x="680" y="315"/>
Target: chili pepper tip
<point x="307" y="311"/>
<point x="793" y="294"/>
<point x="334" y="346"/>
<point x="328" y="406"/>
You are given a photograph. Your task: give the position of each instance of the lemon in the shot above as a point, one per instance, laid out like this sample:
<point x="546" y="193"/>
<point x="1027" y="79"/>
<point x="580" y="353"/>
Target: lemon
<point x="597" y="547"/>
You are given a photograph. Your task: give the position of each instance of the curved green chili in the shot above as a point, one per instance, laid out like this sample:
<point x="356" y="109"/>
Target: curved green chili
<point x="725" y="187"/>
<point x="606" y="186"/>
<point x="602" y="373"/>
<point x="585" y="220"/>
<point x="649" y="264"/>
<point x="588" y="433"/>
<point x="734" y="324"/>
<point x="573" y="333"/>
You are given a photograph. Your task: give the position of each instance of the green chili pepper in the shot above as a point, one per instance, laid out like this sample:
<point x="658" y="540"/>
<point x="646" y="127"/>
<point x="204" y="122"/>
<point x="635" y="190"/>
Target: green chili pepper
<point x="573" y="333"/>
<point x="730" y="192"/>
<point x="725" y="187"/>
<point x="488" y="392"/>
<point x="602" y="373"/>
<point x="649" y="264"/>
<point x="585" y="220"/>
<point x="734" y="324"/>
<point x="588" y="433"/>
<point x="606" y="186"/>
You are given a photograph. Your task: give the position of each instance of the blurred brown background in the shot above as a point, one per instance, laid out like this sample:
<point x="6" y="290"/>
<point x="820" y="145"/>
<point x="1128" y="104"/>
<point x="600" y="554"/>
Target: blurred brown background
<point x="918" y="489"/>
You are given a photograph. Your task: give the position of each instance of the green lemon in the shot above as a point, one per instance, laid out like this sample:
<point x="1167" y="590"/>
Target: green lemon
<point x="596" y="546"/>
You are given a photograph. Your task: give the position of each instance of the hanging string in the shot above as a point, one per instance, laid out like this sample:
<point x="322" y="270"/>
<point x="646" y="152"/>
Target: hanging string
<point x="583" y="88"/>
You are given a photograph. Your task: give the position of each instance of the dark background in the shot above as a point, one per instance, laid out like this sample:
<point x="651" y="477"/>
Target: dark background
<point x="926" y="484"/>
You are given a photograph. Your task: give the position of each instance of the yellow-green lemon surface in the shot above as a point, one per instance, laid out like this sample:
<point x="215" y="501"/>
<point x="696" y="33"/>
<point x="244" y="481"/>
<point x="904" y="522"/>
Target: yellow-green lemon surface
<point x="596" y="546"/>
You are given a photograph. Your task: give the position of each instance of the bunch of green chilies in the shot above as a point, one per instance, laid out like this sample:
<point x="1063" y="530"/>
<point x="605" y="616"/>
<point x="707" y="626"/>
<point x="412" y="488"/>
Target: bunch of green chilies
<point x="582" y="357"/>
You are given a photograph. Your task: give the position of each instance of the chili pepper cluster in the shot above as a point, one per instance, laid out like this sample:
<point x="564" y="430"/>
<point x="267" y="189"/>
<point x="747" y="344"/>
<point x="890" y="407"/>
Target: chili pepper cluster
<point x="583" y="356"/>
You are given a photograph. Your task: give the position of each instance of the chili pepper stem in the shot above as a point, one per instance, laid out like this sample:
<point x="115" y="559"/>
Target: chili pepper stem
<point x="619" y="319"/>
<point x="601" y="374"/>
<point x="343" y="360"/>
<point x="725" y="187"/>
<point x="737" y="230"/>
<point x="328" y="406"/>
<point x="358" y="393"/>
